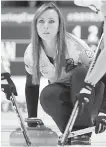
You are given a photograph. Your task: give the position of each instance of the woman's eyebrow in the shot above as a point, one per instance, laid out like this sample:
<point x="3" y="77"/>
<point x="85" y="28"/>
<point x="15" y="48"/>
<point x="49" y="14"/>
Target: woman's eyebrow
<point x="41" y="18"/>
<point x="51" y="18"/>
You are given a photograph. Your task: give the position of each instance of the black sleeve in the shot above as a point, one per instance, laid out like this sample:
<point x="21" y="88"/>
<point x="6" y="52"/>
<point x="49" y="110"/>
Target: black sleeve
<point x="103" y="106"/>
<point x="32" y="95"/>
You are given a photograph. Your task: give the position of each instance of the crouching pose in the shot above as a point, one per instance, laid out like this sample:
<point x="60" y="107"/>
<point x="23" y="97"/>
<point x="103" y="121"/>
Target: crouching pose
<point x="63" y="59"/>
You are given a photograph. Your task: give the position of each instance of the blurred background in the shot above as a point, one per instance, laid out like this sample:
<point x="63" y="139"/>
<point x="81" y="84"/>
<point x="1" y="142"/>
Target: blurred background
<point x="16" y="17"/>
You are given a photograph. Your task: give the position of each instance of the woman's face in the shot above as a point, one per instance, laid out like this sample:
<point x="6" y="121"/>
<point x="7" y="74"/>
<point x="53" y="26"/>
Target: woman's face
<point x="48" y="24"/>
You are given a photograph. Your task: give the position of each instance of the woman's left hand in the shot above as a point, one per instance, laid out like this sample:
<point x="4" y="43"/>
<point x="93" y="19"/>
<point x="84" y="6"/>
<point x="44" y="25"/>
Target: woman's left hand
<point x="100" y="123"/>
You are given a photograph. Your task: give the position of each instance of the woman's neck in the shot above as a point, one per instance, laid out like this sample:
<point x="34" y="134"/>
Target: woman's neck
<point x="50" y="47"/>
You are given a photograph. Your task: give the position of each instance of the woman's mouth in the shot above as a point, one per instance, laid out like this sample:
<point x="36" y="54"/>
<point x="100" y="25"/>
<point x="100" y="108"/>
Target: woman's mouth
<point x="46" y="33"/>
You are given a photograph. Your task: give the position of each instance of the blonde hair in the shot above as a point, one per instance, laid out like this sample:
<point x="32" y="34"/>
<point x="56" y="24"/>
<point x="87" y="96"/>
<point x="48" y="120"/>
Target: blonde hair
<point x="36" y="43"/>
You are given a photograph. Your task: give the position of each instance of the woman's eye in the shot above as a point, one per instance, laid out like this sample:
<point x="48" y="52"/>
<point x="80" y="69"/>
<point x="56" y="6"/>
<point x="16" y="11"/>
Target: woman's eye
<point x="51" y="21"/>
<point x="41" y="21"/>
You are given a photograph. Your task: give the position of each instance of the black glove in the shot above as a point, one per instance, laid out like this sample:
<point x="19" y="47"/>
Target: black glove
<point x="9" y="88"/>
<point x="100" y="123"/>
<point x="84" y="96"/>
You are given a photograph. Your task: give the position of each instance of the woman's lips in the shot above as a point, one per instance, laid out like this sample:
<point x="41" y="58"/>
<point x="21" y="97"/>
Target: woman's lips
<point x="46" y="33"/>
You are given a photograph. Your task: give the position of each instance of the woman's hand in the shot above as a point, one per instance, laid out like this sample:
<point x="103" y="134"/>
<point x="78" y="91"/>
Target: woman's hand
<point x="7" y="85"/>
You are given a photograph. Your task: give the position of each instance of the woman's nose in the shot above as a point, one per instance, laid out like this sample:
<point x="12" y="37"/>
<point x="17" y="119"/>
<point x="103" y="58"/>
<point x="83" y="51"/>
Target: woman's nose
<point x="46" y="25"/>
